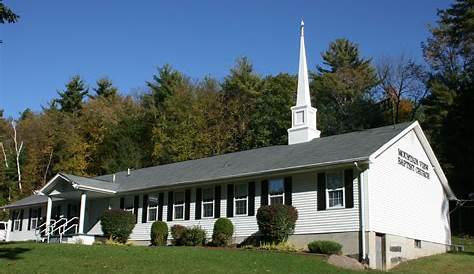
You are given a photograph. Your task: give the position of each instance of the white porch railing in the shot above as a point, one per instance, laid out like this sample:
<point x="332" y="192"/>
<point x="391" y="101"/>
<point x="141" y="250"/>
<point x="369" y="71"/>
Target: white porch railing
<point x="60" y="226"/>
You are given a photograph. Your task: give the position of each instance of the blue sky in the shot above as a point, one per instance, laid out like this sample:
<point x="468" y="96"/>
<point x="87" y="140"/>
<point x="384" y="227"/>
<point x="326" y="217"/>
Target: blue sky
<point x="127" y="40"/>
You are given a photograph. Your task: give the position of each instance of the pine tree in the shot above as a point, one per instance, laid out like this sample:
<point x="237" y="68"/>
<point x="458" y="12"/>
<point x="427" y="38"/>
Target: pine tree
<point x="71" y="99"/>
<point x="164" y="85"/>
<point x="342" y="89"/>
<point x="105" y="89"/>
<point x="240" y="91"/>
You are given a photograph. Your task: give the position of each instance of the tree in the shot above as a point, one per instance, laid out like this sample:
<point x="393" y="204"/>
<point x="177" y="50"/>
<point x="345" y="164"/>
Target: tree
<point x="71" y="99"/>
<point x="164" y="84"/>
<point x="240" y="91"/>
<point x="342" y="90"/>
<point x="402" y="87"/>
<point x="448" y="109"/>
<point x="7" y="15"/>
<point x="105" y="89"/>
<point x="272" y="117"/>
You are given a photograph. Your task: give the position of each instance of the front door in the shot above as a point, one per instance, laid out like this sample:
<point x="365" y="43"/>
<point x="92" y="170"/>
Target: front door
<point x="380" y="251"/>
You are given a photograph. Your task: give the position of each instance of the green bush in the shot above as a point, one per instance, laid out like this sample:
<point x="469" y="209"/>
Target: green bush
<point x="194" y="236"/>
<point x="178" y="234"/>
<point x="117" y="224"/>
<point x="159" y="233"/>
<point x="276" y="222"/>
<point x="325" y="247"/>
<point x="188" y="236"/>
<point x="222" y="233"/>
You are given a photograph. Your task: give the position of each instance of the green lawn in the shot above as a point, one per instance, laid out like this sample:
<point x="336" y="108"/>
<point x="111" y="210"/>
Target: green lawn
<point x="55" y="258"/>
<point x="462" y="262"/>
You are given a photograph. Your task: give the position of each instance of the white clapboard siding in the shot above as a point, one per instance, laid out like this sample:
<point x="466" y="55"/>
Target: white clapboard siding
<point x="404" y="203"/>
<point x="24" y="234"/>
<point x="304" y="198"/>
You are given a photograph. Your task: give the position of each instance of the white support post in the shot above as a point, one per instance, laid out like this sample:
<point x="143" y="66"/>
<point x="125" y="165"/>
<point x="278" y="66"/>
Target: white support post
<point x="82" y="213"/>
<point x="49" y="208"/>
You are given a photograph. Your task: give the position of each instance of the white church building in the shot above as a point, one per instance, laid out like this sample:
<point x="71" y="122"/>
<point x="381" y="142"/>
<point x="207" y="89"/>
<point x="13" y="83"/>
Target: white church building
<point x="380" y="192"/>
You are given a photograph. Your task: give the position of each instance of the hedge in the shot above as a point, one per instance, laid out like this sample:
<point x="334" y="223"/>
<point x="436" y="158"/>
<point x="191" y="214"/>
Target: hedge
<point x="325" y="247"/>
<point x="188" y="236"/>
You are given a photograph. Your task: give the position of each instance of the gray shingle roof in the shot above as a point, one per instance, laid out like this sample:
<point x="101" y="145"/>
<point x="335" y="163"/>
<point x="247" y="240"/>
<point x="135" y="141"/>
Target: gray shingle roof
<point x="326" y="150"/>
<point x="30" y="200"/>
<point x="341" y="148"/>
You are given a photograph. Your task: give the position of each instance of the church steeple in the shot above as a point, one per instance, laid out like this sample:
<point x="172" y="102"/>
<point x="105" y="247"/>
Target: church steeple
<point x="303" y="125"/>
<point x="303" y="97"/>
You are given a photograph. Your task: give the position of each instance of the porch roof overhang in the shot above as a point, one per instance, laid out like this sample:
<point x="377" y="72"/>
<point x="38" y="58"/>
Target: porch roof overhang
<point x="79" y="183"/>
<point x="33" y="200"/>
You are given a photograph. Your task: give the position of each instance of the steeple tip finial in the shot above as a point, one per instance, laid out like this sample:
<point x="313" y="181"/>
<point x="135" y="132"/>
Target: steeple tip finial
<point x="302" y="27"/>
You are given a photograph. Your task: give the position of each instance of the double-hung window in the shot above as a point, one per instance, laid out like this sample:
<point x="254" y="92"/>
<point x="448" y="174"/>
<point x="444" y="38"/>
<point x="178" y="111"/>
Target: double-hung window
<point x="276" y="191"/>
<point x="208" y="202"/>
<point x="129" y="204"/>
<point x="34" y="218"/>
<point x="335" y="189"/>
<point x="241" y="197"/>
<point x="152" y="207"/>
<point x="16" y="220"/>
<point x="178" y="206"/>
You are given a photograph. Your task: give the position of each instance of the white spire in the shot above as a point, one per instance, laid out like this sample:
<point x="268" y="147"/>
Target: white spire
<point x="303" y="96"/>
<point x="303" y="116"/>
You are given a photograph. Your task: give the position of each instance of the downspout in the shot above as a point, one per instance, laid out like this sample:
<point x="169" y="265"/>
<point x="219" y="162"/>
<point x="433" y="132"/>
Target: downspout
<point x="362" y="211"/>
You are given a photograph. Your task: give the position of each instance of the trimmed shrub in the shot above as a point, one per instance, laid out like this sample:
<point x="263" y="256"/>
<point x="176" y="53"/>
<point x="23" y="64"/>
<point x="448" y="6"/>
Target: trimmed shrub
<point x="222" y="233"/>
<point x="276" y="222"/>
<point x="177" y="232"/>
<point x="159" y="233"/>
<point x="117" y="224"/>
<point x="194" y="236"/>
<point x="325" y="247"/>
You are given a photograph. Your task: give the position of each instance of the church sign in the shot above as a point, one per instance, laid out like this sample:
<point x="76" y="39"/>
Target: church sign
<point x="413" y="164"/>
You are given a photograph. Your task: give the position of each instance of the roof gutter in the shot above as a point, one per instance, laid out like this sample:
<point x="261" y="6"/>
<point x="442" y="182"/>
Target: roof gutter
<point x="94" y="189"/>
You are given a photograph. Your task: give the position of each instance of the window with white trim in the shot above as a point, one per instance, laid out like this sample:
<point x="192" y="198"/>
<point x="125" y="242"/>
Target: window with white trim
<point x="335" y="189"/>
<point x="152" y="207"/>
<point x="208" y="202"/>
<point x="418" y="243"/>
<point x="276" y="192"/>
<point x="241" y="199"/>
<point x="34" y="218"/>
<point x="16" y="220"/>
<point x="128" y="206"/>
<point x="178" y="205"/>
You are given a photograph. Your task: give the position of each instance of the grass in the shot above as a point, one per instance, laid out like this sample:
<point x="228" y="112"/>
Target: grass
<point x="460" y="262"/>
<point x="56" y="258"/>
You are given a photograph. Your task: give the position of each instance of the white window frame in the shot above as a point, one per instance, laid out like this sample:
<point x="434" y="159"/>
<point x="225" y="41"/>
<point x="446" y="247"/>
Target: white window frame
<point x="176" y="205"/>
<point x="128" y="199"/>
<point x="282" y="195"/>
<point x="152" y="207"/>
<point x="16" y="220"/>
<point x="417" y="243"/>
<point x="34" y="221"/>
<point x="337" y="189"/>
<point x="211" y="202"/>
<point x="246" y="199"/>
